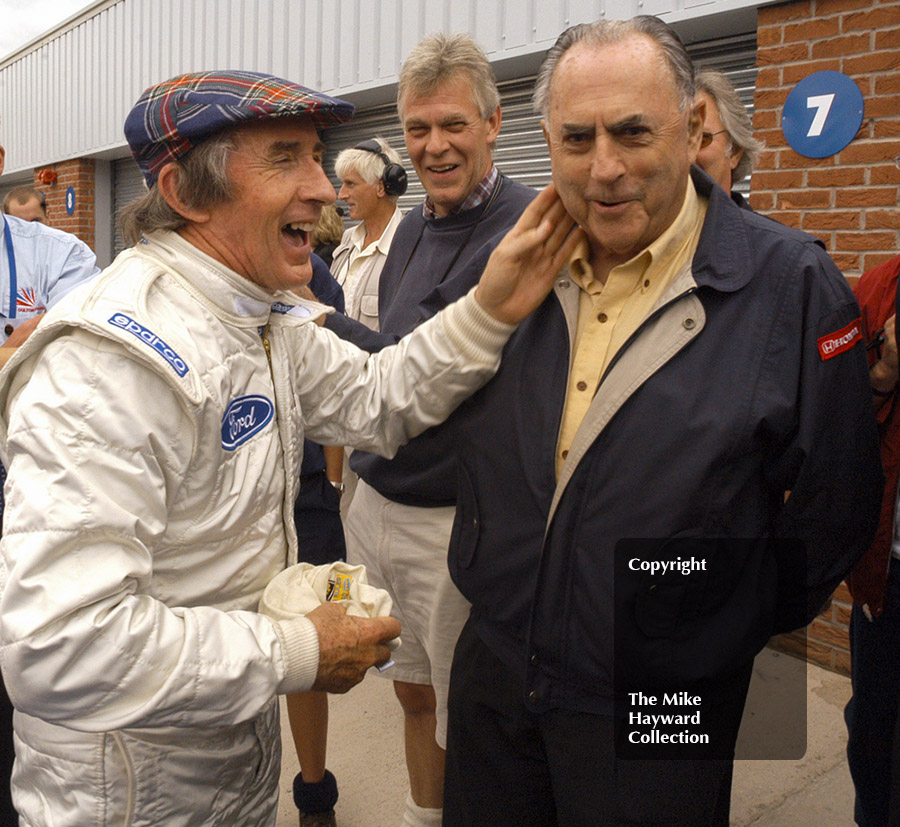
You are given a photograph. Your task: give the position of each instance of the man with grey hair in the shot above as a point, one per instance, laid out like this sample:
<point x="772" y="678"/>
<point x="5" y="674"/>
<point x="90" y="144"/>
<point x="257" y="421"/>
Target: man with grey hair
<point x="399" y="521"/>
<point x="160" y="413"/>
<point x="372" y="179"/>
<point x="728" y="150"/>
<point x="623" y="530"/>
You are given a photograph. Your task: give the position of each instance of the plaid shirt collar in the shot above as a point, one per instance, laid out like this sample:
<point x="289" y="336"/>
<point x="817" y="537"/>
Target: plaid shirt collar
<point x="479" y="195"/>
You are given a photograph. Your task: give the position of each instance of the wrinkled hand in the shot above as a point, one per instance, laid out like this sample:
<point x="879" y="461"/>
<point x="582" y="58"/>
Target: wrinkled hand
<point x="521" y="271"/>
<point x="22" y="332"/>
<point x="348" y="646"/>
<point x="889" y="348"/>
<point x="885" y="373"/>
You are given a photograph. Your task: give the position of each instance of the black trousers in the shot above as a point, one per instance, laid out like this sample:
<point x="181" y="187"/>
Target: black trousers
<point x="317" y="517"/>
<point x="509" y="766"/>
<point x="872" y="713"/>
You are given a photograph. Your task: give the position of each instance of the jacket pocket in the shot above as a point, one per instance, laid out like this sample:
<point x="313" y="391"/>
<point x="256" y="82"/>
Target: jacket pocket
<point x="368" y="306"/>
<point x="466" y="525"/>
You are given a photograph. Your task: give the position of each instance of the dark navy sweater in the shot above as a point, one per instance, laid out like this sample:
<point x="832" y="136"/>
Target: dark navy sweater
<point x="426" y="269"/>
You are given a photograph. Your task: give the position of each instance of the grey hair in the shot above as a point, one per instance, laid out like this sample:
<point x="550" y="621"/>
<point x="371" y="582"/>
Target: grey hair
<point x="440" y="58"/>
<point x="735" y="119"/>
<point x="366" y="164"/>
<point x="604" y="32"/>
<point x="202" y="182"/>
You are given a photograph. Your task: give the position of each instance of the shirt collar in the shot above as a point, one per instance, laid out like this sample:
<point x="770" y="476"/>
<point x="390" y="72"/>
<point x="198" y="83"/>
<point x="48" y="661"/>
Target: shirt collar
<point x="382" y="245"/>
<point x="666" y="246"/>
<point x="478" y="196"/>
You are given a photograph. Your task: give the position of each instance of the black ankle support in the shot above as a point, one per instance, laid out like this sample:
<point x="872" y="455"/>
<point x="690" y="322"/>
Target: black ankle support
<point x="315" y="798"/>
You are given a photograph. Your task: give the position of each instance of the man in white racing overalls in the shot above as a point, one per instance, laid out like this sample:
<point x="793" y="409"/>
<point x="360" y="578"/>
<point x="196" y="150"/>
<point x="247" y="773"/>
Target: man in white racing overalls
<point x="153" y="425"/>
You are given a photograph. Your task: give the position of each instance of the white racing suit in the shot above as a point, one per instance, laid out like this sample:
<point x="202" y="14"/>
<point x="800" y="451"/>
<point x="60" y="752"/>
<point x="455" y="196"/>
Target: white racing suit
<point x="153" y="448"/>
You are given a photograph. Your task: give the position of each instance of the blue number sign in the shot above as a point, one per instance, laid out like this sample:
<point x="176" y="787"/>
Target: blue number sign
<point x="70" y="200"/>
<point x="822" y="114"/>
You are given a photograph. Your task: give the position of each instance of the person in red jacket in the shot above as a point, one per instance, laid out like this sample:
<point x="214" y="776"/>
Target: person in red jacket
<point x="871" y="714"/>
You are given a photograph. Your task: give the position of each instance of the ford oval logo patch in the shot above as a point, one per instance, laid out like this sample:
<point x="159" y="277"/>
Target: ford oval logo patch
<point x="244" y="417"/>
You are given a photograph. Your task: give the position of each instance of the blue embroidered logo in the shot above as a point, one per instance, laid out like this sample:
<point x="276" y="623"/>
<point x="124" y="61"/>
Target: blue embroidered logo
<point x="148" y="337"/>
<point x="291" y="309"/>
<point x="244" y="417"/>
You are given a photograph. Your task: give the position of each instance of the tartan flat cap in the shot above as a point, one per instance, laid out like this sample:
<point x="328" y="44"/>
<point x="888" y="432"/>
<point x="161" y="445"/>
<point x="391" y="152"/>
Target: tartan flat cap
<point x="171" y="118"/>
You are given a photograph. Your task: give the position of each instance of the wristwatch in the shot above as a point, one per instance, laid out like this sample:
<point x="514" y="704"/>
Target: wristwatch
<point x="338" y="485"/>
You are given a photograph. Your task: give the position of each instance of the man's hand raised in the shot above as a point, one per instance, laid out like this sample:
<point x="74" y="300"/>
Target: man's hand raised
<point x="349" y="646"/>
<point x="521" y="271"/>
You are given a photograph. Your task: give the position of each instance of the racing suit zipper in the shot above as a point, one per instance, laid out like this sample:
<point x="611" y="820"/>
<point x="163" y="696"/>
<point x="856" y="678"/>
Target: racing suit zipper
<point x="283" y="437"/>
<point x="267" y="347"/>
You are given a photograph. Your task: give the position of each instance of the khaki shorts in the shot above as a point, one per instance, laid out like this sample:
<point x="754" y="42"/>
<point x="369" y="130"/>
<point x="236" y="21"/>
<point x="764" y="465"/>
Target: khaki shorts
<point x="404" y="550"/>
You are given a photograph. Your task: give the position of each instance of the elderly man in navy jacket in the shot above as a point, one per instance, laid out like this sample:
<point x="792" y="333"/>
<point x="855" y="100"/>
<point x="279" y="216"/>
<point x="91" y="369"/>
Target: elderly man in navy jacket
<point x="696" y="386"/>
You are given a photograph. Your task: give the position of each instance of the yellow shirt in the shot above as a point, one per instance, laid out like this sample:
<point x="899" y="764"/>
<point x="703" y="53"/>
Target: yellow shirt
<point x="608" y="314"/>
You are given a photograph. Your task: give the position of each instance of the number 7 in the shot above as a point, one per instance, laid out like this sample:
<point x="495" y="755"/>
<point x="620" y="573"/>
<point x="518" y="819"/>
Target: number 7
<point x="822" y="103"/>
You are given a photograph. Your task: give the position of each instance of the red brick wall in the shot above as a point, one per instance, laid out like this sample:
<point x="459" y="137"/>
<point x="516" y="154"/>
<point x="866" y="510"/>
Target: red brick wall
<point x="850" y="201"/>
<point x="78" y="174"/>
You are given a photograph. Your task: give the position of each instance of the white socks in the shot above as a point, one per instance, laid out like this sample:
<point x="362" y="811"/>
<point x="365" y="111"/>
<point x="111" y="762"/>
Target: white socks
<point x="416" y="816"/>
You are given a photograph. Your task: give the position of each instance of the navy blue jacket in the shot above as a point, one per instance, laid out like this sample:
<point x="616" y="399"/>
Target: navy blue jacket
<point x="747" y="382"/>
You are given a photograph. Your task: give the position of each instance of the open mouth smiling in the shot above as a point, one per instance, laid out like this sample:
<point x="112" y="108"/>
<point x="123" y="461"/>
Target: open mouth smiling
<point x="298" y="231"/>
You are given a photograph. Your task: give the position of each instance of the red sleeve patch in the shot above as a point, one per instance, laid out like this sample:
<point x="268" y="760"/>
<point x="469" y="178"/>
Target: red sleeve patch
<point x="841" y="340"/>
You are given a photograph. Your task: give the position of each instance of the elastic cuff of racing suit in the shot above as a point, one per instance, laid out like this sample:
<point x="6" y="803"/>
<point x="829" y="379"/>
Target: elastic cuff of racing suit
<point x="473" y="331"/>
<point x="300" y="651"/>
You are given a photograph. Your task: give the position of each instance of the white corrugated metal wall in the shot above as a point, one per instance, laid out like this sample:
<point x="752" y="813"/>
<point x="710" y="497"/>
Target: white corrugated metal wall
<point x="67" y="94"/>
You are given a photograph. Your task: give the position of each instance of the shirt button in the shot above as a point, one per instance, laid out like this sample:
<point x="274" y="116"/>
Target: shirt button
<point x="534" y="660"/>
<point x="564" y="284"/>
<point x="689" y="324"/>
<point x="582" y="386"/>
<point x="564" y="454"/>
<point x="602" y="317"/>
<point x="532" y="696"/>
<point x="646" y="282"/>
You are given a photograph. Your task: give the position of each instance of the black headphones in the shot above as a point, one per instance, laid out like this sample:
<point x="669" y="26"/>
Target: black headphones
<point x="394" y="176"/>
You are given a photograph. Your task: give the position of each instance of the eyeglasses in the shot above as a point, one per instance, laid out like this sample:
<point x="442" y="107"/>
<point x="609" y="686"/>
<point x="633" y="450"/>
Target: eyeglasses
<point x="706" y="138"/>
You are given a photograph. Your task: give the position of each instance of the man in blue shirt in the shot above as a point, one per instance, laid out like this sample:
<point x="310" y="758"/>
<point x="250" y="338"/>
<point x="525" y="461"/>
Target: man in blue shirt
<point x="38" y="266"/>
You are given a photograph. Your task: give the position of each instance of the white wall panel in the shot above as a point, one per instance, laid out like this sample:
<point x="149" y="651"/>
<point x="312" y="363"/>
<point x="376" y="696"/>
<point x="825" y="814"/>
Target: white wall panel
<point x="389" y="38"/>
<point x="460" y="16"/>
<point x="66" y="94"/>
<point x="516" y="25"/>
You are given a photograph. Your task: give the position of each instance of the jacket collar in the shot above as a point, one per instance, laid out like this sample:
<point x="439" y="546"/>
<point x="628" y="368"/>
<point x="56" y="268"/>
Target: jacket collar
<point x="228" y="293"/>
<point x="724" y="250"/>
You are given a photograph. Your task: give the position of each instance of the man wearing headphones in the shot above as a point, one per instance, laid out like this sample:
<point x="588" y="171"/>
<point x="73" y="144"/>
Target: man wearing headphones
<point x="400" y="519"/>
<point x="372" y="179"/>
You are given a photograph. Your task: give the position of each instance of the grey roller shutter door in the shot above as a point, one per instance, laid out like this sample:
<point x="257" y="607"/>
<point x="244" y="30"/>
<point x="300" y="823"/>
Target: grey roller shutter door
<point x="128" y="184"/>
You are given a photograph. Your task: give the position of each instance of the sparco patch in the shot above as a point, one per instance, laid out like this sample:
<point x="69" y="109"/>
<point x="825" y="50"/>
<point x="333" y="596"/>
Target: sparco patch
<point x="841" y="340"/>
<point x="148" y="337"/>
<point x="244" y="417"/>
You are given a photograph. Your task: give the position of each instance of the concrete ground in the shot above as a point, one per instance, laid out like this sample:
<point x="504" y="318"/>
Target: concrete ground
<point x="812" y="789"/>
